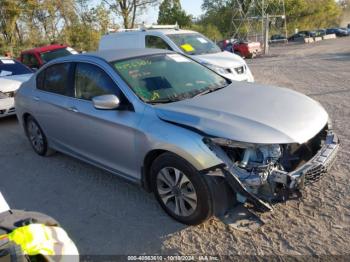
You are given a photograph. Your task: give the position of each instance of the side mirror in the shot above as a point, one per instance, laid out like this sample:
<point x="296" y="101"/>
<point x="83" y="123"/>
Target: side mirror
<point x="106" y="102"/>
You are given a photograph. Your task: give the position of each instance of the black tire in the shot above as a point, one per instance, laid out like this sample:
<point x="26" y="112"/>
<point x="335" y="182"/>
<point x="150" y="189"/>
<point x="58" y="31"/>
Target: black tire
<point x="42" y="150"/>
<point x="202" y="184"/>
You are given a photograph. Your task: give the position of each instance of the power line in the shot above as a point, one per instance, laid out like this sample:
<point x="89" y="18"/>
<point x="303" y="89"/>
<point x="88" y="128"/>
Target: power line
<point x="249" y="19"/>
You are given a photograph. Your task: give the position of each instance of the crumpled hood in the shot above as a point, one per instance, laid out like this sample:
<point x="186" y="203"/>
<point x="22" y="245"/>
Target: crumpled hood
<point x="250" y="113"/>
<point x="223" y="59"/>
<point x="12" y="83"/>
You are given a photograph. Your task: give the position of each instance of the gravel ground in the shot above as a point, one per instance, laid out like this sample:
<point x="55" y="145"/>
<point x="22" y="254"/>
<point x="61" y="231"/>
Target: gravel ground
<point x="105" y="215"/>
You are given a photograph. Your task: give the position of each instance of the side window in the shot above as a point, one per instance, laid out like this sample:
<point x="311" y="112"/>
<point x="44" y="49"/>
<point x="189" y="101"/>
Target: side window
<point x="91" y="81"/>
<point x="30" y="60"/>
<point x="156" y="42"/>
<point x="54" y="79"/>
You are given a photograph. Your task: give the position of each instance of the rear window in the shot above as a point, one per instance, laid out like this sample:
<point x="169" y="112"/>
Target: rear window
<point x="9" y="67"/>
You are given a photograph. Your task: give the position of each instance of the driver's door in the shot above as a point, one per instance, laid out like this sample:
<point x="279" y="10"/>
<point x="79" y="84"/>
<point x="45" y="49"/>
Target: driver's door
<point x="104" y="137"/>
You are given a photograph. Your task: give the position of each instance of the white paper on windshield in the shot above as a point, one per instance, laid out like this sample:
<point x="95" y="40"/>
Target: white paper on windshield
<point x="178" y="58"/>
<point x="72" y="50"/>
<point x="3" y="204"/>
<point x="5" y="73"/>
<point x="202" y="40"/>
<point x="7" y="61"/>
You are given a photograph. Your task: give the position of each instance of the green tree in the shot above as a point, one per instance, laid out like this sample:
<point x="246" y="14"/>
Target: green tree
<point x="209" y="31"/>
<point x="10" y="10"/>
<point x="129" y="9"/>
<point x="302" y="14"/>
<point x="219" y="14"/>
<point x="84" y="32"/>
<point x="30" y="23"/>
<point x="170" y="12"/>
<point x="312" y="14"/>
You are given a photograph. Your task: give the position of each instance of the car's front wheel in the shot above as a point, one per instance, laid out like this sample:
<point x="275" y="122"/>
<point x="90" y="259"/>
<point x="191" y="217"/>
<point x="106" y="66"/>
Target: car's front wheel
<point x="181" y="190"/>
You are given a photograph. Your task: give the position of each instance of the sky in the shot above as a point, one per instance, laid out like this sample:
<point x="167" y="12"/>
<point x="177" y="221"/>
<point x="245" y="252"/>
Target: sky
<point x="192" y="7"/>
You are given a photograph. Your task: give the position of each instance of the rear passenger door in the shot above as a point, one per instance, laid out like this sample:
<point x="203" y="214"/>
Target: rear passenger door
<point x="104" y="137"/>
<point x="50" y="102"/>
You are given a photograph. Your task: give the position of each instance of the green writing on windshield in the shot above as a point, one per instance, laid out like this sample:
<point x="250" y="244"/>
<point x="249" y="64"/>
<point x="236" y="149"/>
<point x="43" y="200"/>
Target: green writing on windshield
<point x="130" y="65"/>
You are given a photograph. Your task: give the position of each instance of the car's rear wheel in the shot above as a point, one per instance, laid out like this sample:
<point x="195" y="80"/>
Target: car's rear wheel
<point x="37" y="137"/>
<point x="185" y="194"/>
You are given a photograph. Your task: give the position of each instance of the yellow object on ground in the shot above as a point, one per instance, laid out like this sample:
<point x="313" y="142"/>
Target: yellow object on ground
<point x="36" y="239"/>
<point x="187" y="47"/>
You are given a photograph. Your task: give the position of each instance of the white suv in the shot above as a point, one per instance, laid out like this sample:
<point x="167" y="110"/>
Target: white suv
<point x="187" y="42"/>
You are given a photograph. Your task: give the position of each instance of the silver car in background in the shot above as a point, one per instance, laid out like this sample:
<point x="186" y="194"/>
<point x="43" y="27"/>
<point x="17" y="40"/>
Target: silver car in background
<point x="197" y="140"/>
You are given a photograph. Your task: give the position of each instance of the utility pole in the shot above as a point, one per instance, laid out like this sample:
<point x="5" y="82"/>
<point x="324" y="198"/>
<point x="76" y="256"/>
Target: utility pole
<point x="266" y="34"/>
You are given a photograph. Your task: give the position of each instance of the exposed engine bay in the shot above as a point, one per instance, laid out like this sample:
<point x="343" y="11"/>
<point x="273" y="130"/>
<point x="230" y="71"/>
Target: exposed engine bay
<point x="272" y="172"/>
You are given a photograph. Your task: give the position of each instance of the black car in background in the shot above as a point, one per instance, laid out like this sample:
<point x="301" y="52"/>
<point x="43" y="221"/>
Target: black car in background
<point x="320" y="32"/>
<point x="278" y="39"/>
<point x="346" y="29"/>
<point x="337" y="31"/>
<point x="301" y="35"/>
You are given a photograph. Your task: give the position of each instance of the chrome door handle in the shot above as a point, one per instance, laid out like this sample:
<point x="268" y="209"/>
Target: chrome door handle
<point x="73" y="109"/>
<point x="35" y="98"/>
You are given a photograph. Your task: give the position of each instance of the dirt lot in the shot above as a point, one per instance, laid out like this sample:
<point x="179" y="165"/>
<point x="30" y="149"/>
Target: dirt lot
<point x="105" y="215"/>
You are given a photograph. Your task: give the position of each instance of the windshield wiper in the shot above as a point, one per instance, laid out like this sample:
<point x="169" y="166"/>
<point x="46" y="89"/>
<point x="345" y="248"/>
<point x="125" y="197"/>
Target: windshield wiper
<point x="164" y="100"/>
<point x="209" y="90"/>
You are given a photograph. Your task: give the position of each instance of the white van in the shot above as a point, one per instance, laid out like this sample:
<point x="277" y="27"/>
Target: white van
<point x="187" y="42"/>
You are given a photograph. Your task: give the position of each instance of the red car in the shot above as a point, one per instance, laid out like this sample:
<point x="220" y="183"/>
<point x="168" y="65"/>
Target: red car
<point x="36" y="57"/>
<point x="242" y="48"/>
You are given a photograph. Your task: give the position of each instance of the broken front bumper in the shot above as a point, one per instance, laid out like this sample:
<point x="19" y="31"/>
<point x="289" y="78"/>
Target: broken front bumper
<point x="310" y="172"/>
<point x="319" y="165"/>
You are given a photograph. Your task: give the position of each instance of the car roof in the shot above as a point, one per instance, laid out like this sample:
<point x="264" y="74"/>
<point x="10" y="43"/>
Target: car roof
<point x="9" y="58"/>
<point x="108" y="55"/>
<point x="158" y="30"/>
<point x="172" y="31"/>
<point x="6" y="57"/>
<point x="46" y="48"/>
<point x="120" y="54"/>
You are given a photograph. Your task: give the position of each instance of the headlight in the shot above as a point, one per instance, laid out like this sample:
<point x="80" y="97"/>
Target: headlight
<point x="217" y="69"/>
<point x="253" y="154"/>
<point x="228" y="143"/>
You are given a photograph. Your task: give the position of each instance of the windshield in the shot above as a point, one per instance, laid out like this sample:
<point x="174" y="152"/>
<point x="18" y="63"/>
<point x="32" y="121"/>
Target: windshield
<point x="9" y="67"/>
<point x="194" y="44"/>
<point x="50" y="55"/>
<point x="167" y="77"/>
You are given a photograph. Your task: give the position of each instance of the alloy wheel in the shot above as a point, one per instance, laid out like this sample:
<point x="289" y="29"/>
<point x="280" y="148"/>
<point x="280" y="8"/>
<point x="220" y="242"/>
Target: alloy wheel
<point x="35" y="136"/>
<point x="176" y="191"/>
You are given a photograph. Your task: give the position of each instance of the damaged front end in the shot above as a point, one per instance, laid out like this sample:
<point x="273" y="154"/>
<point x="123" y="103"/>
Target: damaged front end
<point x="264" y="174"/>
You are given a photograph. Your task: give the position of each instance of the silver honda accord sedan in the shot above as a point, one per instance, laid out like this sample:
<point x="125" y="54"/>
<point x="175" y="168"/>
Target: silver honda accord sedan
<point x="200" y="142"/>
